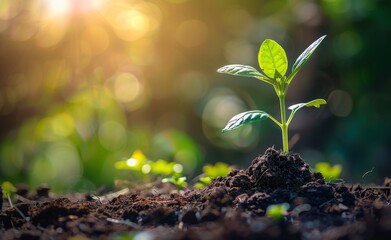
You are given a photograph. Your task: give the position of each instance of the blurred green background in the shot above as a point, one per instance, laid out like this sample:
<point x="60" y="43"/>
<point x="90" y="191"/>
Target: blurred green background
<point x="83" y="84"/>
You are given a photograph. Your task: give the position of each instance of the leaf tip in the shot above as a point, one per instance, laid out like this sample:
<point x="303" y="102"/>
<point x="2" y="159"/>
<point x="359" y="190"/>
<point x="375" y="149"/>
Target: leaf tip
<point x="220" y="70"/>
<point x="226" y="129"/>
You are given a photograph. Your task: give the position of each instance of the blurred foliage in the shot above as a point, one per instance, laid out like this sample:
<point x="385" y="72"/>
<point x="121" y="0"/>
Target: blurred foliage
<point x="177" y="180"/>
<point x="84" y="83"/>
<point x="8" y="188"/>
<point x="210" y="172"/>
<point x="329" y="172"/>
<point x="219" y="169"/>
<point x="143" y="169"/>
<point x="277" y="211"/>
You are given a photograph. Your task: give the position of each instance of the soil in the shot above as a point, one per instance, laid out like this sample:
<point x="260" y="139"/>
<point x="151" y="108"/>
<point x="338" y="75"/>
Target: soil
<point x="231" y="207"/>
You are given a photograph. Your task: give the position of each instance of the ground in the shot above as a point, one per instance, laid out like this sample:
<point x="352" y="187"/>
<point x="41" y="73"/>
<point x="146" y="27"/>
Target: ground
<point x="231" y="207"/>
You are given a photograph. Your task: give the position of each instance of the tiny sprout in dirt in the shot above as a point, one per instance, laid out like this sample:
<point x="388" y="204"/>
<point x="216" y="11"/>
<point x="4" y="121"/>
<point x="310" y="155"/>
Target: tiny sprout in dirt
<point x="202" y="182"/>
<point x="330" y="173"/>
<point x="9" y="191"/>
<point x="211" y="172"/>
<point x="139" y="163"/>
<point x="274" y="64"/>
<point x="8" y="188"/>
<point x="277" y="211"/>
<point x="177" y="180"/>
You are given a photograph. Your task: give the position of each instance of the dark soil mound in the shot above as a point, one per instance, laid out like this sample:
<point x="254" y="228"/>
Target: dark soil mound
<point x="231" y="207"/>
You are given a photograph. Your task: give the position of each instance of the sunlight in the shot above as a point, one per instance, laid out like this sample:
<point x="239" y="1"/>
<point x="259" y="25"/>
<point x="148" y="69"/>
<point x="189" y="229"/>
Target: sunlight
<point x="58" y="8"/>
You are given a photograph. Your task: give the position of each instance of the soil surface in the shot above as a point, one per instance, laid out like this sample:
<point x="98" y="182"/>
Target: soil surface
<point x="231" y="207"/>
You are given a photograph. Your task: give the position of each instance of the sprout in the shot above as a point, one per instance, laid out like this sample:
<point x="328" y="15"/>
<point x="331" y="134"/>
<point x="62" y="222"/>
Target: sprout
<point x="8" y="188"/>
<point x="274" y="64"/>
<point x="211" y="172"/>
<point x="277" y="211"/>
<point x="204" y="181"/>
<point x="220" y="169"/>
<point x="176" y="180"/>
<point x="329" y="172"/>
<point x="138" y="162"/>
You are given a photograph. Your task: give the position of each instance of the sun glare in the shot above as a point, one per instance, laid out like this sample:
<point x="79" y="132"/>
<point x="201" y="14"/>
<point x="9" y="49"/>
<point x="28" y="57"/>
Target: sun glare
<point x="57" y="8"/>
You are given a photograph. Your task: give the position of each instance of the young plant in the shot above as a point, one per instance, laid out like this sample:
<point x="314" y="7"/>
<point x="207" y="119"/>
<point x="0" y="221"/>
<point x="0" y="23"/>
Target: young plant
<point x="274" y="64"/>
<point x="211" y="172"/>
<point x="8" y="190"/>
<point x="177" y="180"/>
<point x="329" y="172"/>
<point x="220" y="169"/>
<point x="203" y="182"/>
<point x="139" y="163"/>
<point x="277" y="211"/>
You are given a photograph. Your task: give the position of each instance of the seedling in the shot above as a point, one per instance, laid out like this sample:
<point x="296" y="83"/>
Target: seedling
<point x="274" y="64"/>
<point x="329" y="172"/>
<point x="135" y="162"/>
<point x="138" y="162"/>
<point x="211" y="172"/>
<point x="177" y="180"/>
<point x="203" y="181"/>
<point x="277" y="211"/>
<point x="220" y="169"/>
<point x="9" y="190"/>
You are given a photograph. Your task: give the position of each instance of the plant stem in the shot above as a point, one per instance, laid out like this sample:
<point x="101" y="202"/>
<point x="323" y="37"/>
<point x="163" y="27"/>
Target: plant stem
<point x="284" y="125"/>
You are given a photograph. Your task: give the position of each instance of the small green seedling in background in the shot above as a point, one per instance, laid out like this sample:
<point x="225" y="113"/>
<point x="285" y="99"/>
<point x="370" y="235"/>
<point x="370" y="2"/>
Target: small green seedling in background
<point x="135" y="162"/>
<point x="211" y="172"/>
<point x="330" y="173"/>
<point x="8" y="191"/>
<point x="220" y="169"/>
<point x="277" y="211"/>
<point x="177" y="180"/>
<point x="203" y="181"/>
<point x="274" y="64"/>
<point x="138" y="162"/>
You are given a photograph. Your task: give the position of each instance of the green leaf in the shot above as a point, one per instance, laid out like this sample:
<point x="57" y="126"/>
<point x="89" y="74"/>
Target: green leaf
<point x="314" y="103"/>
<point x="162" y="167"/>
<point x="199" y="185"/>
<point x="329" y="172"/>
<point x="244" y="71"/>
<point x="303" y="58"/>
<point x="220" y="169"/>
<point x="245" y="118"/>
<point x="272" y="58"/>
<point x="178" y="181"/>
<point x="206" y="180"/>
<point x="8" y="188"/>
<point x="277" y="211"/>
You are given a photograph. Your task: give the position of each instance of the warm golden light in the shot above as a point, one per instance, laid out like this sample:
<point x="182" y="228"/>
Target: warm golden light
<point x="58" y="8"/>
<point x="127" y="87"/>
<point x="192" y="33"/>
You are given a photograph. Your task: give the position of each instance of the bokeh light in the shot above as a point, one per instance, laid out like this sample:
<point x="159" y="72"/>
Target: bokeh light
<point x="223" y="105"/>
<point x="136" y="22"/>
<point x="340" y="103"/>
